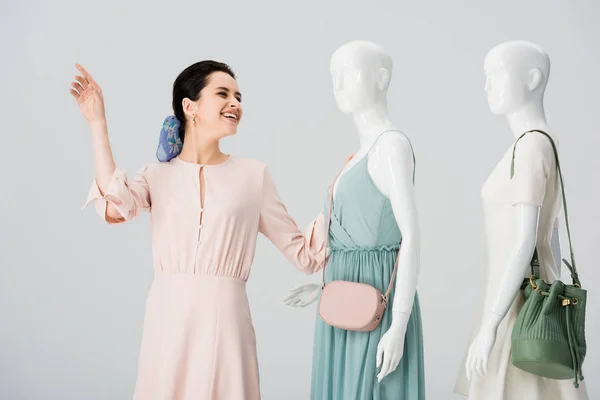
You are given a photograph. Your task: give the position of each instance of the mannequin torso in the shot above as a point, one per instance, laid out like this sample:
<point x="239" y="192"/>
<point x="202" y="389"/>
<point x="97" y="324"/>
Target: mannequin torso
<point x="520" y="215"/>
<point x="361" y="72"/>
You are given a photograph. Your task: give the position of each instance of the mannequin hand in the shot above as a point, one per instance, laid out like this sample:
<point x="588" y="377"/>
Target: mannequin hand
<point x="480" y="349"/>
<point x="89" y="96"/>
<point x="390" y="348"/>
<point x="303" y="295"/>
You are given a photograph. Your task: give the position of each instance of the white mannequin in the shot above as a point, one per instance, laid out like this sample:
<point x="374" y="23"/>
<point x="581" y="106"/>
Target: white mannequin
<point x="361" y="73"/>
<point x="517" y="74"/>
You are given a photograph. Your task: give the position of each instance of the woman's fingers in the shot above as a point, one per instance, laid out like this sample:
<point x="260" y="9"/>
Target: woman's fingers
<point x="77" y="86"/>
<point x="82" y="81"/>
<point x="86" y="74"/>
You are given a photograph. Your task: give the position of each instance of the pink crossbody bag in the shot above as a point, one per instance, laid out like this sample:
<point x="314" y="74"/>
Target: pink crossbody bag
<point x="352" y="306"/>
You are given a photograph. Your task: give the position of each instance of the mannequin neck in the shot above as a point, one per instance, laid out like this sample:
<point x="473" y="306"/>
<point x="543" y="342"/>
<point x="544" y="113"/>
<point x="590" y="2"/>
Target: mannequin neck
<point x="529" y="117"/>
<point x="371" y="122"/>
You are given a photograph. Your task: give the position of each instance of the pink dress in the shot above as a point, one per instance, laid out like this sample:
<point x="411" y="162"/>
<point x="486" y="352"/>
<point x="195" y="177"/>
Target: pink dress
<point x="198" y="340"/>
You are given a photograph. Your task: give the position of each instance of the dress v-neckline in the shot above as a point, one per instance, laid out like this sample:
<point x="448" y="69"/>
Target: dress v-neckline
<point x="343" y="173"/>
<point x="339" y="181"/>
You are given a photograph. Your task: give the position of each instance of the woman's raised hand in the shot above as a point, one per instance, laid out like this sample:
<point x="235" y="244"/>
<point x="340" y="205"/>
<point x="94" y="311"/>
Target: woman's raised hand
<point x="88" y="94"/>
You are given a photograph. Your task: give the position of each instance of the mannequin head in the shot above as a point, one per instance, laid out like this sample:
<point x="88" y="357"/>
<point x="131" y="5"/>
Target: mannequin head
<point x="516" y="74"/>
<point x="361" y="72"/>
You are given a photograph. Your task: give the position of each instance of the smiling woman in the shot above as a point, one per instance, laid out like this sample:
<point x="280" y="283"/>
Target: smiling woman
<point x="207" y="209"/>
<point x="209" y="93"/>
<point x="217" y="110"/>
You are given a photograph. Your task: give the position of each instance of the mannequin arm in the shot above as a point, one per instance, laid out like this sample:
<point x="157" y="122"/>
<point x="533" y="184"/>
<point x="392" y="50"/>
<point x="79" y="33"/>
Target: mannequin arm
<point x="509" y="285"/>
<point x="527" y="189"/>
<point x="520" y="258"/>
<point x="392" y="172"/>
<point x="394" y="176"/>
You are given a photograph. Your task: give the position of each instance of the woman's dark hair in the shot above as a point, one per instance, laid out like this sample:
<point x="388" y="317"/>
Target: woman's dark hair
<point x="190" y="82"/>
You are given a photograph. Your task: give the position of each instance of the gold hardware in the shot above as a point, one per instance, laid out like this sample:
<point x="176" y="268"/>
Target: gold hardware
<point x="570" y="302"/>
<point x="533" y="285"/>
<point x="577" y="285"/>
<point x="540" y="292"/>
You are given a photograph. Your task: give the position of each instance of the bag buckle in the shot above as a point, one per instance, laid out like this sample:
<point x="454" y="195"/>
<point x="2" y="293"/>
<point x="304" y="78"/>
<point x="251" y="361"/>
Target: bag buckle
<point x="570" y="302"/>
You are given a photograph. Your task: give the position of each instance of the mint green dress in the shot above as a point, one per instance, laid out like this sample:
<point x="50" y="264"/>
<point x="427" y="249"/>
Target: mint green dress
<point x="364" y="240"/>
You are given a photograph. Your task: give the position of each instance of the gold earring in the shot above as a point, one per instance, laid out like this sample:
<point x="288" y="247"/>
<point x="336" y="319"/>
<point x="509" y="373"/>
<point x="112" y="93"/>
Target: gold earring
<point x="194" y="119"/>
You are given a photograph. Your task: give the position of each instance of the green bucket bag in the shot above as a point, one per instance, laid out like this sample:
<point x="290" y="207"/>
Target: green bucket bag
<point x="548" y="338"/>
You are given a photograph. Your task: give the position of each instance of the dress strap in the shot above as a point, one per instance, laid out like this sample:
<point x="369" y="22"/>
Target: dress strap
<point x="387" y="293"/>
<point x="412" y="150"/>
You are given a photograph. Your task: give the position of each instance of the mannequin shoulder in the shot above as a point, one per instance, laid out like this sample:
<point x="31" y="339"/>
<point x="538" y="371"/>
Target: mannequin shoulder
<point x="534" y="145"/>
<point x="393" y="146"/>
<point x="391" y="160"/>
<point x="534" y="141"/>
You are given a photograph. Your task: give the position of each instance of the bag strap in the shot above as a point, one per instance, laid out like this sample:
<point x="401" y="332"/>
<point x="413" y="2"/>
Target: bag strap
<point x="535" y="260"/>
<point x="389" y="289"/>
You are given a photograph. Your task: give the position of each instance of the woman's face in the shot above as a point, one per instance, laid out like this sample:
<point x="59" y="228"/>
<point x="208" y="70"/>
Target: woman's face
<point x="219" y="108"/>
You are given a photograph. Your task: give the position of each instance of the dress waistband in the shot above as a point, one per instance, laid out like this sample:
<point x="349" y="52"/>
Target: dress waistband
<point x="359" y="249"/>
<point x="195" y="277"/>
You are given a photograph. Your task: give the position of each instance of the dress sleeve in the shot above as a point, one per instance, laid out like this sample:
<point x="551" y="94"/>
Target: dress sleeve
<point x="306" y="251"/>
<point x="128" y="198"/>
<point x="530" y="171"/>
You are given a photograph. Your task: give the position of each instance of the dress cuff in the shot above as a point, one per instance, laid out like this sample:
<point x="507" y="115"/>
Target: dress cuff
<point x="117" y="194"/>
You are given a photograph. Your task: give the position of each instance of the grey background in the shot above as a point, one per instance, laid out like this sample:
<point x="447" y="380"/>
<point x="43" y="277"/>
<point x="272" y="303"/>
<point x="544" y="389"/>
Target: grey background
<point x="72" y="290"/>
